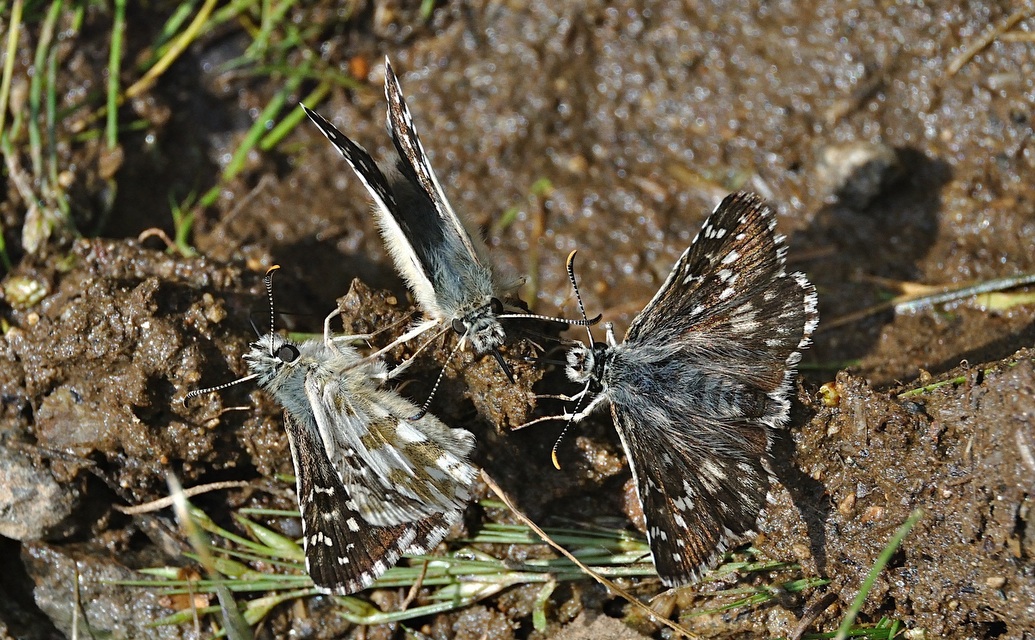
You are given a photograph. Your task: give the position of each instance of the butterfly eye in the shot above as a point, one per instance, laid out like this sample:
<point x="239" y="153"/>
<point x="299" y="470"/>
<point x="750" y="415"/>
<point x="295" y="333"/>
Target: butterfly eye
<point x="287" y="353"/>
<point x="576" y="360"/>
<point x="496" y="306"/>
<point x="459" y="326"/>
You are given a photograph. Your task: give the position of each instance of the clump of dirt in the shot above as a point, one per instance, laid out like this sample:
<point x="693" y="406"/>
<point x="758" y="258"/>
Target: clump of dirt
<point x="95" y="369"/>
<point x="958" y="454"/>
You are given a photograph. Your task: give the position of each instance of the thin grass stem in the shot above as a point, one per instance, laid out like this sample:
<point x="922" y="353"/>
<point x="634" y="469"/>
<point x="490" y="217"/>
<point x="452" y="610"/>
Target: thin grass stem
<point x="871" y="577"/>
<point x="118" y="34"/>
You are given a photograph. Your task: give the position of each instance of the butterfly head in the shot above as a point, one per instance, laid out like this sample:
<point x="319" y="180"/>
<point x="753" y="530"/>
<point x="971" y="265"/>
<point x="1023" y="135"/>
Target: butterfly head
<point x="269" y="355"/>
<point x="482" y="328"/>
<point x="586" y="364"/>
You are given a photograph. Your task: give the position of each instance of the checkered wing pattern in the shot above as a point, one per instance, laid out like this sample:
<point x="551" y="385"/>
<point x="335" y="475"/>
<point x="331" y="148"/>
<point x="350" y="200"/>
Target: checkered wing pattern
<point x="706" y="370"/>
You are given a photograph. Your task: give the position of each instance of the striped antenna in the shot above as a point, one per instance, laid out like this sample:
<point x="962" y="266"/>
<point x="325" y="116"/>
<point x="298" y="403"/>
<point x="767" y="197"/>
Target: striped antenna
<point x="268" y="282"/>
<point x="570" y="265"/>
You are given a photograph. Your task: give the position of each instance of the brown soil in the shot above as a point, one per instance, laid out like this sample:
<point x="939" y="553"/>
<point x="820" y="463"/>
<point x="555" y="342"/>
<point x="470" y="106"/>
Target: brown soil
<point x="888" y="165"/>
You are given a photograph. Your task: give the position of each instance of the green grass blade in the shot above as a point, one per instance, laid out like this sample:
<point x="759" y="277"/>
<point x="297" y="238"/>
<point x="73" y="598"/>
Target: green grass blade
<point x="236" y="625"/>
<point x="251" y="139"/>
<point x="175" y="49"/>
<point x="284" y="545"/>
<point x="168" y="32"/>
<point x="14" y="27"/>
<point x="292" y="119"/>
<point x="271" y="19"/>
<point x="871" y="577"/>
<point x="542" y="598"/>
<point x="36" y="86"/>
<point x="114" y="66"/>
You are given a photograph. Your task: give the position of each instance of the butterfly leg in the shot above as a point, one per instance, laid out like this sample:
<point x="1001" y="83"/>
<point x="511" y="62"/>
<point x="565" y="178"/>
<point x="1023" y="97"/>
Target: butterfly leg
<point x="359" y="337"/>
<point x="578" y="416"/>
<point x="402" y="366"/>
<point x="558" y="418"/>
<point x="333" y="341"/>
<point x="562" y="397"/>
<point x="406" y="337"/>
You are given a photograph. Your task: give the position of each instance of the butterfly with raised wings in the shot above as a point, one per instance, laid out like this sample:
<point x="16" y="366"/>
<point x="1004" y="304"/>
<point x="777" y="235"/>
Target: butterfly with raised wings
<point x="444" y="263"/>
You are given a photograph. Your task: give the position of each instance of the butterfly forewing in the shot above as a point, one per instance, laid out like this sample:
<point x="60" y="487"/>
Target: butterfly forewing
<point x="729" y="300"/>
<point x="397" y="232"/>
<point x="414" y="164"/>
<point x="360" y="161"/>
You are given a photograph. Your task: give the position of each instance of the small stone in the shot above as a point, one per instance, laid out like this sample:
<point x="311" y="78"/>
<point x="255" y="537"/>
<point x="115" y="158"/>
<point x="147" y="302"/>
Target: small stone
<point x="830" y="395"/>
<point x="22" y="292"/>
<point x="995" y="582"/>
<point x="857" y="172"/>
<point x="106" y="609"/>
<point x="33" y="504"/>
<point x="847" y="506"/>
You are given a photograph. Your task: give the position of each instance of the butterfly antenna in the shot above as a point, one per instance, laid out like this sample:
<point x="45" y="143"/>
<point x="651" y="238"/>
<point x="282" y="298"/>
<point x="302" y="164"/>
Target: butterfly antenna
<point x="226" y="385"/>
<point x="268" y="282"/>
<point x="585" y="322"/>
<point x="434" y="389"/>
<point x="578" y="296"/>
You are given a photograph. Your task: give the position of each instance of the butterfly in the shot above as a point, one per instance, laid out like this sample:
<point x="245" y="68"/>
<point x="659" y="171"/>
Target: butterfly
<point x="372" y="482"/>
<point x="444" y="263"/>
<point x="704" y="374"/>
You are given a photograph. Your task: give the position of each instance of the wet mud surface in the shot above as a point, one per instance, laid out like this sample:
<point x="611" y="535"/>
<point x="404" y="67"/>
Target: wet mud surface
<point x="893" y="154"/>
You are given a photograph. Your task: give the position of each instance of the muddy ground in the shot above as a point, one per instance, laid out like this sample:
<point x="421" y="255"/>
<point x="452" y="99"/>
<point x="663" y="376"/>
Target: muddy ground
<point x="897" y="141"/>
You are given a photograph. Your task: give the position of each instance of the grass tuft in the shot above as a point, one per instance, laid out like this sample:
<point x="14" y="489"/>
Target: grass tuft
<point x="280" y="47"/>
<point x="262" y="568"/>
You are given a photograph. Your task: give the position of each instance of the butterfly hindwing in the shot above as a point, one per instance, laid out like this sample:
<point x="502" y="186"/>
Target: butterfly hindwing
<point x="729" y="302"/>
<point x="343" y="552"/>
<point x="697" y="498"/>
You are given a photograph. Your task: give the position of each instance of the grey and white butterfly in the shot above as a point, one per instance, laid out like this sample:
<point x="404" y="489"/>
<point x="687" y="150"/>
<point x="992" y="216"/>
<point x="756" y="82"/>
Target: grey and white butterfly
<point x="445" y="263"/>
<point x="705" y="372"/>
<point x="372" y="483"/>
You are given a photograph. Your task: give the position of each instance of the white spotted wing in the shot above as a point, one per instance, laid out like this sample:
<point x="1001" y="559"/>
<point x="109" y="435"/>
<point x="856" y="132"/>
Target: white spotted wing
<point x="371" y="483"/>
<point x="705" y="371"/>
